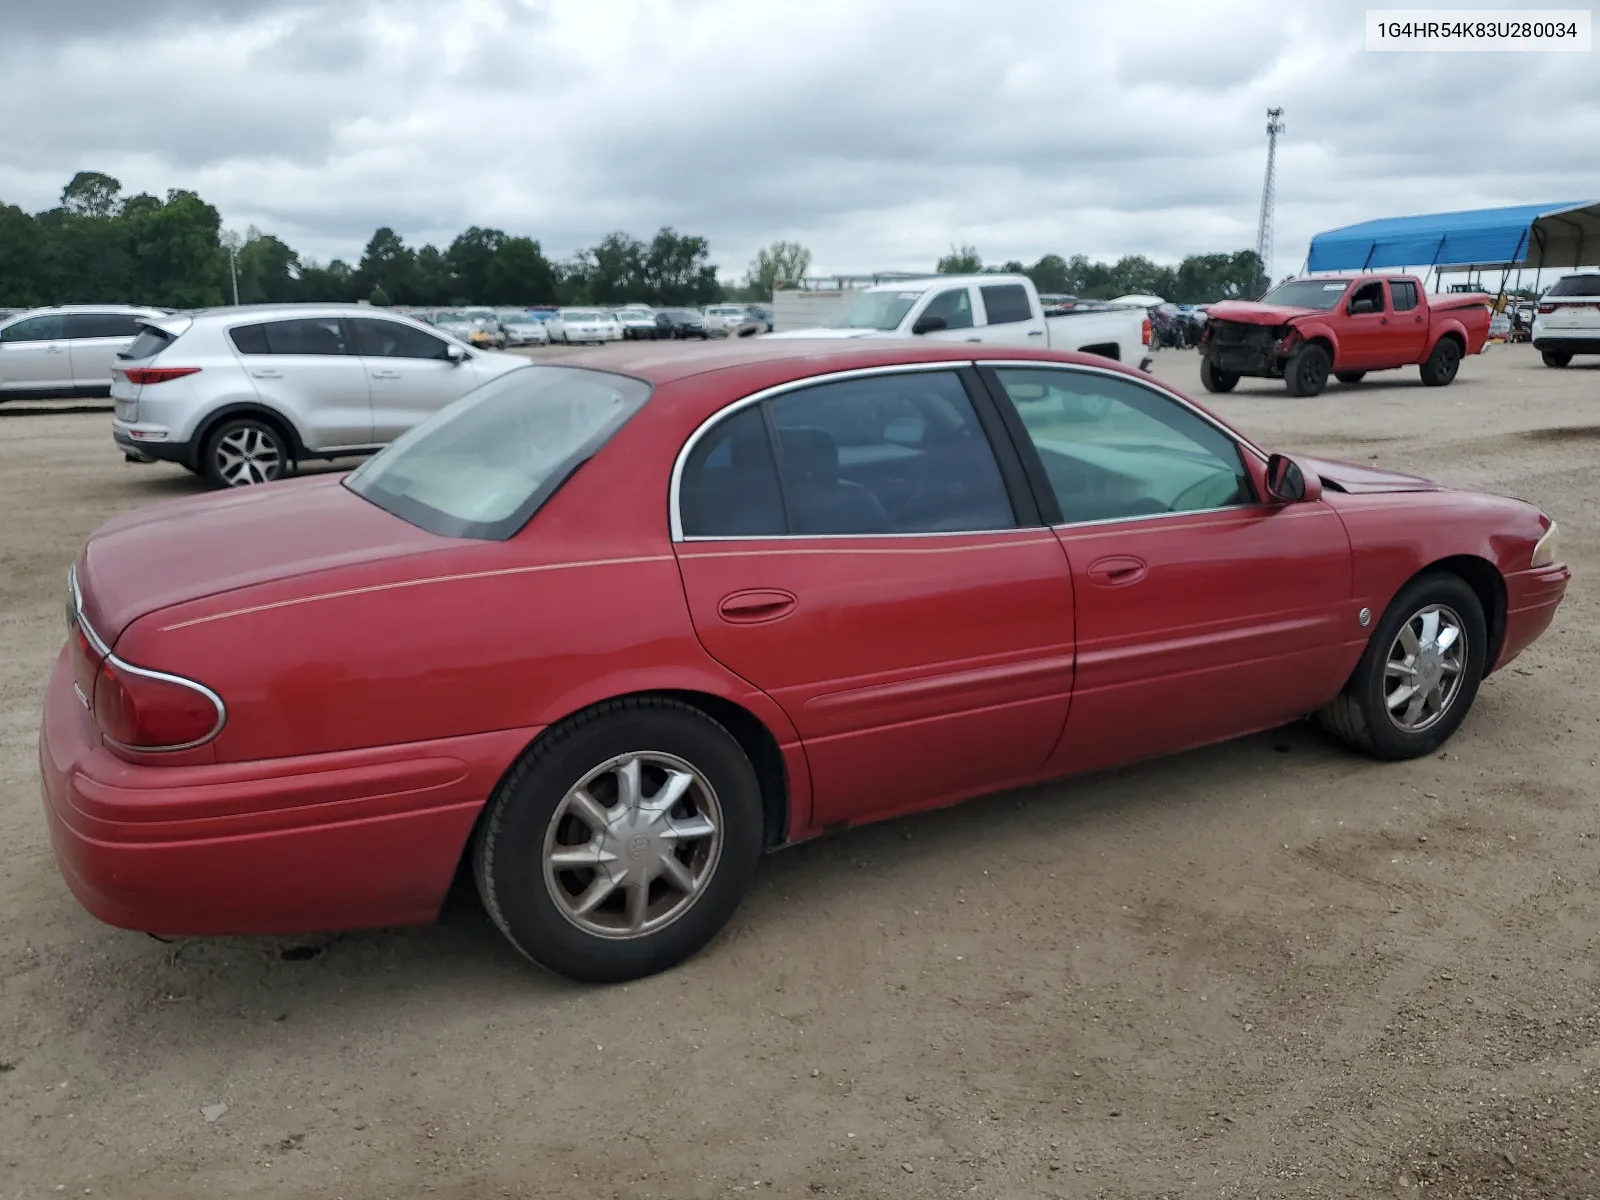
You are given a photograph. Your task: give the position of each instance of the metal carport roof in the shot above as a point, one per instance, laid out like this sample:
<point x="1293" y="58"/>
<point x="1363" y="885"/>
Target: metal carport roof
<point x="1523" y="235"/>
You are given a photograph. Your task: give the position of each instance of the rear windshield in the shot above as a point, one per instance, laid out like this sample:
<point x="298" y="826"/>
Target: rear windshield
<point x="481" y="467"/>
<point x="1308" y="293"/>
<point x="150" y="342"/>
<point x="1576" y="285"/>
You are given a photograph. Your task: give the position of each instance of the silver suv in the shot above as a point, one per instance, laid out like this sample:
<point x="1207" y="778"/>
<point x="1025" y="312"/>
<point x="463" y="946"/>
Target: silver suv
<point x="239" y="395"/>
<point x="65" y="351"/>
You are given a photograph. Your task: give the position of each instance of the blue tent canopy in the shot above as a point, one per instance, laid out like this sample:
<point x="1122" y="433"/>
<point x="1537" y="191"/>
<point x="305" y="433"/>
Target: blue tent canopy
<point x="1523" y="235"/>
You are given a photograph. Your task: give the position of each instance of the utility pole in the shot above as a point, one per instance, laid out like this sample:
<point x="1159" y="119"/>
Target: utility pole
<point x="1269" y="198"/>
<point x="233" y="272"/>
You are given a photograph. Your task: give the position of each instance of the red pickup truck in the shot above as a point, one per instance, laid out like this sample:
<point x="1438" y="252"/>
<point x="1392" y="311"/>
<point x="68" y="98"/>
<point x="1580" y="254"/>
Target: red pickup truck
<point x="1303" y="330"/>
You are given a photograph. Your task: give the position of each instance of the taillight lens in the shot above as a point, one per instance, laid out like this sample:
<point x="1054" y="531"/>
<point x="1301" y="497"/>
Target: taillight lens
<point x="145" y="376"/>
<point x="138" y="709"/>
<point x="86" y="659"/>
<point x="1548" y="308"/>
<point x="1145" y="332"/>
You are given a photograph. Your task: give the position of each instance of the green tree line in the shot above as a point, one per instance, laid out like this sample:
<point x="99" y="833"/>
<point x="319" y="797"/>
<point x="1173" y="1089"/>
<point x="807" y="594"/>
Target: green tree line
<point x="99" y="246"/>
<point x="1198" y="279"/>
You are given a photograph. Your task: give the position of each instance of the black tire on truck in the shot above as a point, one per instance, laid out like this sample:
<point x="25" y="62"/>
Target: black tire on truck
<point x="1350" y="376"/>
<point x="1307" y="371"/>
<point x="1441" y="366"/>
<point x="1214" y="379"/>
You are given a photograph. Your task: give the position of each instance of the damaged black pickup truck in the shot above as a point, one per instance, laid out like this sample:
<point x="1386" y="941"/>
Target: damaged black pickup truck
<point x="1303" y="330"/>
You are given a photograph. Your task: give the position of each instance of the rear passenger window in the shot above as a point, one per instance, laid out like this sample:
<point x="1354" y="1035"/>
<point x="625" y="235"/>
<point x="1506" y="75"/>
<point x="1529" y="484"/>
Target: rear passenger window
<point x="1403" y="293"/>
<point x="730" y="482"/>
<point x="888" y="454"/>
<point x="304" y="335"/>
<point x="1007" y="304"/>
<point x="101" y="325"/>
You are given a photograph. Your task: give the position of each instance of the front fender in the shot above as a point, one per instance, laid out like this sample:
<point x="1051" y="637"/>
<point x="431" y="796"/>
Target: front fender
<point x="1319" y="331"/>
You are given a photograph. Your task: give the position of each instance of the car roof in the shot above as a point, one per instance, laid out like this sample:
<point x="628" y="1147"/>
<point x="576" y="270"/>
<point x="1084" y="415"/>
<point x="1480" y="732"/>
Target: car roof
<point x="788" y="360"/>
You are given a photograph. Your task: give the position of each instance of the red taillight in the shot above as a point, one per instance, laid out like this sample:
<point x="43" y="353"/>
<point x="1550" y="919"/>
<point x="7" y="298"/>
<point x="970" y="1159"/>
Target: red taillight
<point x="138" y="709"/>
<point x="1145" y="332"/>
<point x="145" y="376"/>
<point x="86" y="659"/>
<point x="1548" y="308"/>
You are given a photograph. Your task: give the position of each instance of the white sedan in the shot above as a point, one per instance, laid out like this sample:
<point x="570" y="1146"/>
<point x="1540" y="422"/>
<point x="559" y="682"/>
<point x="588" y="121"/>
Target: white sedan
<point x="574" y="325"/>
<point x="523" y="329"/>
<point x="724" y="319"/>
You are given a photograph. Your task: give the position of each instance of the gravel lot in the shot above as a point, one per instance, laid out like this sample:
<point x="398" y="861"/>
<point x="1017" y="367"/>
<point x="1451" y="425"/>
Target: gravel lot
<point x="1268" y="968"/>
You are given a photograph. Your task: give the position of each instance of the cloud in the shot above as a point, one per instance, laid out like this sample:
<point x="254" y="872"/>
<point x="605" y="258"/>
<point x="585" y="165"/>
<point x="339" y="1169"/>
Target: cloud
<point x="877" y="133"/>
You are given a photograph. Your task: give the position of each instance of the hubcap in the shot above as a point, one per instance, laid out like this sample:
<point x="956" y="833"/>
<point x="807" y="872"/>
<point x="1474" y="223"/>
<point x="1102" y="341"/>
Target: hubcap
<point x="249" y="455"/>
<point x="1425" y="667"/>
<point x="633" y="845"/>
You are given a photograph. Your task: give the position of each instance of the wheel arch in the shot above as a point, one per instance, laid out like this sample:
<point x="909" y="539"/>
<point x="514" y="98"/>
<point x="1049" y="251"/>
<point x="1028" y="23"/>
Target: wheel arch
<point x="755" y="738"/>
<point x="1484" y="578"/>
<point x="239" y="408"/>
<point x="1453" y="330"/>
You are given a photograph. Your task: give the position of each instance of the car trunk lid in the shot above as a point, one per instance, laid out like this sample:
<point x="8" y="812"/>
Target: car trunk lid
<point x="184" y="550"/>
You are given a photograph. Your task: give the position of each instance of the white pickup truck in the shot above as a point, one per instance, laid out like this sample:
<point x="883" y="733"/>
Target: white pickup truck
<point x="994" y="310"/>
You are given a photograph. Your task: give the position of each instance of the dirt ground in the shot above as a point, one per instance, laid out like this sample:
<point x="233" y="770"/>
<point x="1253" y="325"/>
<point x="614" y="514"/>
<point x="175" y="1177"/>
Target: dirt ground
<point x="1264" y="969"/>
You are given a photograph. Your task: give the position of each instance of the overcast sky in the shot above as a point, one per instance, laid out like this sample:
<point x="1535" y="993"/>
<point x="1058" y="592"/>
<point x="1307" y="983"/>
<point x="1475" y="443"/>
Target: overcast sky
<point x="876" y="132"/>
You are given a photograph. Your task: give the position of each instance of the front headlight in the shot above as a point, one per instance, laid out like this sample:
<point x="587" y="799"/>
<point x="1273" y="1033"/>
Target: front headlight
<point x="1548" y="549"/>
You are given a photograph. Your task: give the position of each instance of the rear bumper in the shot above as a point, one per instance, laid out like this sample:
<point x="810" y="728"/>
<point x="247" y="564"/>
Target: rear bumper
<point x="328" y="842"/>
<point x="181" y="453"/>
<point x="1532" y="597"/>
<point x="1579" y="343"/>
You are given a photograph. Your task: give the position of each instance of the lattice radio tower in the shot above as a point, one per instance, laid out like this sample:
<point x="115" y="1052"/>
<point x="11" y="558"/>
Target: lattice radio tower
<point x="1269" y="198"/>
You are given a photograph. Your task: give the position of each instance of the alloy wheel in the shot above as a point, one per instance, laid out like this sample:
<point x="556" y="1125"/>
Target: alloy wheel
<point x="249" y="455"/>
<point x="1425" y="667"/>
<point x="632" y="846"/>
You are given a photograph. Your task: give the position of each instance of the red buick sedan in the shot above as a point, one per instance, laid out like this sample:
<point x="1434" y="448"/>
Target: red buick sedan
<point x="604" y="633"/>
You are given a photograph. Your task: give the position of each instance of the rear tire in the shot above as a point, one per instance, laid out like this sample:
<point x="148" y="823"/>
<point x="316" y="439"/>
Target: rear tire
<point x="1364" y="714"/>
<point x="1350" y="376"/>
<point x="1555" y="358"/>
<point x="1443" y="363"/>
<point x="1306" y="373"/>
<point x="568" y="795"/>
<point x="1214" y="379"/>
<point x="245" y="450"/>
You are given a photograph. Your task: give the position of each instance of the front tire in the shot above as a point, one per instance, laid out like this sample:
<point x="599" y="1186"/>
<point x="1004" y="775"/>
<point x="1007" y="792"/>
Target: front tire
<point x="1350" y="377"/>
<point x="242" y="451"/>
<point x="1555" y="358"/>
<point x="1306" y="373"/>
<point x="1214" y="379"/>
<point x="1442" y="365"/>
<point x="622" y="841"/>
<point x="1419" y="674"/>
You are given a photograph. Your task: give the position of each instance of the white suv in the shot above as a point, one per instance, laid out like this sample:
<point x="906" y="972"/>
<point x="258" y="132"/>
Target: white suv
<point x="239" y="395"/>
<point x="1568" y="320"/>
<point x="65" y="351"/>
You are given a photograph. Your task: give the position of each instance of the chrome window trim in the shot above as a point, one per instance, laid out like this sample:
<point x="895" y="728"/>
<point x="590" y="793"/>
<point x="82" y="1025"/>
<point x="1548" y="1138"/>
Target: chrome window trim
<point x="1151" y="383"/>
<point x="122" y="665"/>
<point x="674" y="513"/>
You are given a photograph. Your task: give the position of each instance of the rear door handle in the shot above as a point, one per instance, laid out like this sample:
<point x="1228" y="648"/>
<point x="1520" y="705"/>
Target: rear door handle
<point x="756" y="605"/>
<point x="974" y="339"/>
<point x="55" y="349"/>
<point x="1383" y="320"/>
<point x="1117" y="570"/>
<point x="267" y="374"/>
<point x="386" y="374"/>
<point x="1035" y="333"/>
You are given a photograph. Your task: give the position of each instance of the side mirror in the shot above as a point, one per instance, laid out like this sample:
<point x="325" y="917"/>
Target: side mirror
<point x="1363" y="307"/>
<point x="929" y="325"/>
<point x="455" y="354"/>
<point x="1290" y="483"/>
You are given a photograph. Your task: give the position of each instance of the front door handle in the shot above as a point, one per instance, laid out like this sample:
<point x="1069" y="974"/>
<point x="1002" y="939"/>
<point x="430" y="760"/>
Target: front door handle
<point x="974" y="339"/>
<point x="267" y="374"/>
<point x="1417" y="320"/>
<point x="1383" y="320"/>
<point x="1117" y="570"/>
<point x="55" y="349"/>
<point x="386" y="374"/>
<point x="756" y="605"/>
<point x="1035" y="333"/>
